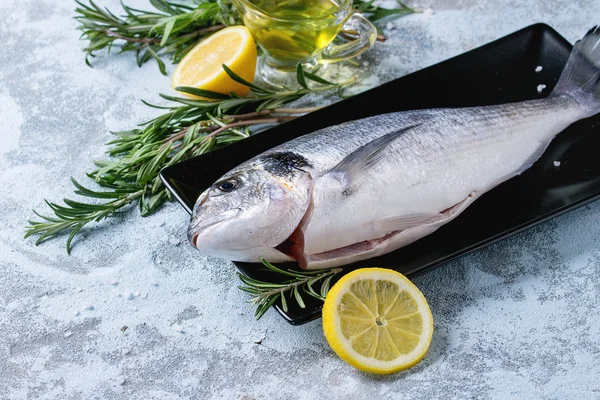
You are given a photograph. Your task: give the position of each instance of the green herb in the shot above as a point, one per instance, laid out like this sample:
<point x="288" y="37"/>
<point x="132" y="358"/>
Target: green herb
<point x="375" y="13"/>
<point x="172" y="29"/>
<point x="264" y="294"/>
<point x="188" y="128"/>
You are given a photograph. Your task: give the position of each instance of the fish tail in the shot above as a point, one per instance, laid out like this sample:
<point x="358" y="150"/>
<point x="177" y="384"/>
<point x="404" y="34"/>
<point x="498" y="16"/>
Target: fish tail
<point x="580" y="78"/>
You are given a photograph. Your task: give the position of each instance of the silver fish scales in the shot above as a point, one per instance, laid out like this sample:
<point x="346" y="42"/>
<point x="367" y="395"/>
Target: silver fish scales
<point x="367" y="187"/>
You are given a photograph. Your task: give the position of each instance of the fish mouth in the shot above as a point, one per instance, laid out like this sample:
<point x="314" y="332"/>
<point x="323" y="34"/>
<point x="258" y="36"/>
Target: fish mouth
<point x="201" y="226"/>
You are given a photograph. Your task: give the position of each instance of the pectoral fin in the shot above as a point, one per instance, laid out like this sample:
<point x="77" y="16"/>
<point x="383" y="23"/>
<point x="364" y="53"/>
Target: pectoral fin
<point x="354" y="166"/>
<point x="408" y="221"/>
<point x="404" y="222"/>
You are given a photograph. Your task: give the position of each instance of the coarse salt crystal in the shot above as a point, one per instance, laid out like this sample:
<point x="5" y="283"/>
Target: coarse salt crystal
<point x="538" y="68"/>
<point x="541" y="87"/>
<point x="121" y="379"/>
<point x="88" y="307"/>
<point x="124" y="352"/>
<point x="366" y="63"/>
<point x="178" y="328"/>
<point x="389" y="26"/>
<point x="557" y="163"/>
<point x="174" y="241"/>
<point x="68" y="334"/>
<point x="427" y="13"/>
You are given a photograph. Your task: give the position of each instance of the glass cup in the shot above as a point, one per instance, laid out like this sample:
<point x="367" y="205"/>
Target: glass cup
<point x="302" y="31"/>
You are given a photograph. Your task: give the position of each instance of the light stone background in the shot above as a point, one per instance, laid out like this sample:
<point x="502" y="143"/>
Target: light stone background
<point x="517" y="320"/>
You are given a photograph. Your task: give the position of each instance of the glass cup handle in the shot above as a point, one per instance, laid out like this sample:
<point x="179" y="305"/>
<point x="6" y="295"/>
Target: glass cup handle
<point x="367" y="35"/>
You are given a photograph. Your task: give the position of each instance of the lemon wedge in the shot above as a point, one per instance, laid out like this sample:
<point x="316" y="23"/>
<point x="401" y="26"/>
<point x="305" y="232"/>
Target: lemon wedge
<point x="202" y="66"/>
<point x="376" y="320"/>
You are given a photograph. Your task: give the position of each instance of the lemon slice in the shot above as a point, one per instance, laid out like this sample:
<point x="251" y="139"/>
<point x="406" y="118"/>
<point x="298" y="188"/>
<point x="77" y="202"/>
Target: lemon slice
<point x="376" y="320"/>
<point x="202" y="66"/>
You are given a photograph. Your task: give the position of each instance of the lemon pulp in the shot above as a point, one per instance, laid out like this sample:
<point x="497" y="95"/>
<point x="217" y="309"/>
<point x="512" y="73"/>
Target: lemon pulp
<point x="377" y="320"/>
<point x="202" y="66"/>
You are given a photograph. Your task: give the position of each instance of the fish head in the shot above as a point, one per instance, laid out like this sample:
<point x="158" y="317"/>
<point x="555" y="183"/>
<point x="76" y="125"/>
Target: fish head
<point x="252" y="209"/>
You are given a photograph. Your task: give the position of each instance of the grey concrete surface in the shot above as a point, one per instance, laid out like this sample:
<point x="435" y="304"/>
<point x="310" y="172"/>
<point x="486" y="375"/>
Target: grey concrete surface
<point x="135" y="313"/>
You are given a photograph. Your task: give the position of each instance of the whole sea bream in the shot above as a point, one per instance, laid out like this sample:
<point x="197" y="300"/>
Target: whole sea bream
<point x="367" y="187"/>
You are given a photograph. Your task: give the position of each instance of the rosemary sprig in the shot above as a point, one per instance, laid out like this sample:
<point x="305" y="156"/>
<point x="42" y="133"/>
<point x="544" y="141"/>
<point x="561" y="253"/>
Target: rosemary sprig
<point x="264" y="294"/>
<point x="188" y="127"/>
<point x="172" y="29"/>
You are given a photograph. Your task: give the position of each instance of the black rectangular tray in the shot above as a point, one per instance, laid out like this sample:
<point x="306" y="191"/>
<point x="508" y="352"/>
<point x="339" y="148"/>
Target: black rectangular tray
<point x="500" y="72"/>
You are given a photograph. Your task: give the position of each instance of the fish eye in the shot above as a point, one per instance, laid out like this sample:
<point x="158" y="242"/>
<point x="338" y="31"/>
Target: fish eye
<point x="228" y="185"/>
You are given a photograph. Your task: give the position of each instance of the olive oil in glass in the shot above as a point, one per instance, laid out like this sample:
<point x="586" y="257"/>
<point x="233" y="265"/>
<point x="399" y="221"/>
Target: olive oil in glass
<point x="292" y="32"/>
<point x="297" y="29"/>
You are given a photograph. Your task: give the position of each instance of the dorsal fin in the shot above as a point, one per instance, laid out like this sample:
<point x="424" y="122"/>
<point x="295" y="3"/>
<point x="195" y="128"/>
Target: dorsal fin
<point x="348" y="171"/>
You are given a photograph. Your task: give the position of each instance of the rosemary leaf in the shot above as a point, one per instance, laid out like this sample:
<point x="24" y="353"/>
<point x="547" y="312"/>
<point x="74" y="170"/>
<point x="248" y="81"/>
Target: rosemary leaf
<point x="298" y="297"/>
<point x="262" y="308"/>
<point x="202" y="92"/>
<point x="325" y="286"/>
<point x="244" y="82"/>
<point x="316" y="78"/>
<point x="161" y="64"/>
<point x="300" y="76"/>
<point x="284" y="304"/>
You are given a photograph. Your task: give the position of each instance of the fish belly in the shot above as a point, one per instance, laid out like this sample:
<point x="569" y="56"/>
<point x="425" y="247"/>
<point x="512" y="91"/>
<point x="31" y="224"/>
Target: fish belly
<point x="428" y="176"/>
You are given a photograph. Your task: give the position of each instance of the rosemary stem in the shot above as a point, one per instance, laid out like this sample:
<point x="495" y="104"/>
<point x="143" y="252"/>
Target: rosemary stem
<point x="241" y="117"/>
<point x="247" y="118"/>
<point x="296" y="110"/>
<point x="288" y="287"/>
<point x="151" y="40"/>
<point x="203" y="31"/>
<point x="173" y="138"/>
<point x="248" y="123"/>
<point x="130" y="39"/>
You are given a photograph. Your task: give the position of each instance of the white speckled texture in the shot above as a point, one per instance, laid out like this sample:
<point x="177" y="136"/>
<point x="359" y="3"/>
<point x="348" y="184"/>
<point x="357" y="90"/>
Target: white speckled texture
<point x="519" y="319"/>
